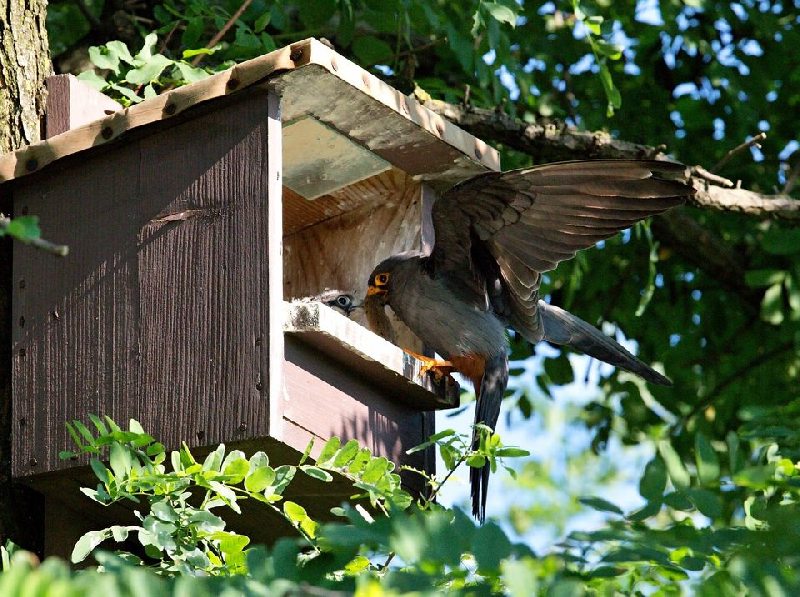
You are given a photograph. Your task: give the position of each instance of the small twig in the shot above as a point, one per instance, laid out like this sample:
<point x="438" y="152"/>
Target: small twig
<point x="467" y="93"/>
<point x="221" y="33"/>
<point x="746" y="145"/>
<point x="701" y="172"/>
<point x="460" y="461"/>
<point x="168" y="37"/>
<point x="388" y="561"/>
<point x="791" y="178"/>
<point x="39" y="243"/>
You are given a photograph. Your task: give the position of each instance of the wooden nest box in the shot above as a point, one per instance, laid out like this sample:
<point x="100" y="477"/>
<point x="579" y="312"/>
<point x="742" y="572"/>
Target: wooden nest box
<point x="194" y="220"/>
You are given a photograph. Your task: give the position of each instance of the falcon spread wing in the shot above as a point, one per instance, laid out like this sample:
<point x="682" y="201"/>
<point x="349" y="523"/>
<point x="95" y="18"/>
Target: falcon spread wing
<point x="498" y="232"/>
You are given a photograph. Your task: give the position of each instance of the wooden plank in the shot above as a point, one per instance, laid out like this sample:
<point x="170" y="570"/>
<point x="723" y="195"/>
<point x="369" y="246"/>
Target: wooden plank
<point x="369" y="355"/>
<point x="160" y="312"/>
<point x="274" y="249"/>
<point x="72" y="103"/>
<point x="316" y="81"/>
<point x="163" y="107"/>
<point x="326" y="400"/>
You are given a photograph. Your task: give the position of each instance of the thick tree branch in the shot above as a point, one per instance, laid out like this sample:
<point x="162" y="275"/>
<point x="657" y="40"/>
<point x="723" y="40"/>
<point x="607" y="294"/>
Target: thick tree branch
<point x="546" y="143"/>
<point x="712" y="196"/>
<point x="552" y="142"/>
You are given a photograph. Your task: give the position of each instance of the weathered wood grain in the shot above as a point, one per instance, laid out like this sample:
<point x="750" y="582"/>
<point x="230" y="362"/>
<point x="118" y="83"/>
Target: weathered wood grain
<point x="324" y="400"/>
<point x="161" y="313"/>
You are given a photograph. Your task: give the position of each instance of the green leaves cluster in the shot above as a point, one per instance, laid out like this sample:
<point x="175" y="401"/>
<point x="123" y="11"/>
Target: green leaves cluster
<point x="184" y="531"/>
<point x="130" y="79"/>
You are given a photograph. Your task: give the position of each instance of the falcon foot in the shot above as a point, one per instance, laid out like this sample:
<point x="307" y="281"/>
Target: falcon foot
<point x="440" y="369"/>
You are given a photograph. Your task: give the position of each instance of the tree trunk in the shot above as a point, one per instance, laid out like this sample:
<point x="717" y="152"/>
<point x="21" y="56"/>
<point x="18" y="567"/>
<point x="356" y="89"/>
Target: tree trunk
<point x="24" y="64"/>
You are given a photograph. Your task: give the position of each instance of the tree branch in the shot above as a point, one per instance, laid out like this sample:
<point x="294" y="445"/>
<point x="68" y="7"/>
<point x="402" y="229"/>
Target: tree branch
<point x="553" y="142"/>
<point x="750" y="203"/>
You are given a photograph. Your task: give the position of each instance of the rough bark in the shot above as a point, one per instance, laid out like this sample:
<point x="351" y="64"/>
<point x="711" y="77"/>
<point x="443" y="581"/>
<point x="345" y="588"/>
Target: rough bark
<point x="24" y="64"/>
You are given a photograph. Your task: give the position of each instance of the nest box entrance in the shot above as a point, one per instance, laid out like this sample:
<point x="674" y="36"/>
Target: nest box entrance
<point x="197" y="221"/>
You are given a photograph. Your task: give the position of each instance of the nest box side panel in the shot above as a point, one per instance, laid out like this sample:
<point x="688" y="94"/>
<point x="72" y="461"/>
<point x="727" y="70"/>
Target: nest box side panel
<point x="161" y="311"/>
<point x="325" y="399"/>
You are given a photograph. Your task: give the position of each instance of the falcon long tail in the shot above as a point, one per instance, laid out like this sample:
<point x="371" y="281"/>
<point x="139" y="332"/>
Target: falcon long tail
<point x="562" y="327"/>
<point x="489" y="396"/>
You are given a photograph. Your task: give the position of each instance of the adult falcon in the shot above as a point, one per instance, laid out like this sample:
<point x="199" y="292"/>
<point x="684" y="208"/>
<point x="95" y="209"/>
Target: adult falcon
<point x="496" y="234"/>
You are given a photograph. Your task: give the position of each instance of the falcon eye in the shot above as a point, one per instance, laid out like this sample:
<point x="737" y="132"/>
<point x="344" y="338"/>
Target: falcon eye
<point x="381" y="279"/>
<point x="343" y="301"/>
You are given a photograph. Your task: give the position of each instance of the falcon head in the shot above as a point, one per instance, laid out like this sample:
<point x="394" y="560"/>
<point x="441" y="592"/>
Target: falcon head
<point x="379" y="290"/>
<point x="341" y="301"/>
<point x="383" y="277"/>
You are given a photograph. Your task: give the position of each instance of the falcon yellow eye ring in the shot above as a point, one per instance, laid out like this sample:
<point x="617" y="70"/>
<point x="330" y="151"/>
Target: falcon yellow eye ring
<point x="381" y="279"/>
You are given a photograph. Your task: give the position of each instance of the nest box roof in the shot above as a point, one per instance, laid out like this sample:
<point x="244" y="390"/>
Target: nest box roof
<point x="325" y="97"/>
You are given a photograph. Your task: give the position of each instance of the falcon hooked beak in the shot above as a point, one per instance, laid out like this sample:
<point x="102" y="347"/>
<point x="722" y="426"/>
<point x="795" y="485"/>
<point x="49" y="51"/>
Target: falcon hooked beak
<point x="379" y="286"/>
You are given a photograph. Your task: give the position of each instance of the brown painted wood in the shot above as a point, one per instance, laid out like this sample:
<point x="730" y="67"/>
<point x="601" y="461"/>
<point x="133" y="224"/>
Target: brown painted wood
<point x="324" y="399"/>
<point x="161" y="312"/>
<point x="72" y="103"/>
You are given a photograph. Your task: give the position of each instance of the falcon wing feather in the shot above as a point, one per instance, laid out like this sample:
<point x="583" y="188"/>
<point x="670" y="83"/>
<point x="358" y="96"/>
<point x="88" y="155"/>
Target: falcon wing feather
<point x="529" y="220"/>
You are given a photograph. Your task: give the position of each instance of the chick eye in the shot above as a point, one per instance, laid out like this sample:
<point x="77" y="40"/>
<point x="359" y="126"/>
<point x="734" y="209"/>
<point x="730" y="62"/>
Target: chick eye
<point x="381" y="279"/>
<point x="344" y="301"/>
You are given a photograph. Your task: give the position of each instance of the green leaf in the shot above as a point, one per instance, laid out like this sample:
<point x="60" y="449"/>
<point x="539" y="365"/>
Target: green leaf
<point x="23" y="228"/>
<point x="501" y="13"/>
<point x="328" y="450"/>
<point x="163" y="510"/>
<point x="235" y="466"/>
<point x="149" y="45"/>
<point x="206" y="522"/>
<point x="357" y="565"/>
<point x="370" y="50"/>
<point x="260" y="475"/>
<point x="600" y="504"/>
<point x="294" y="511"/>
<point x="261" y="22"/>
<point x="707" y="460"/>
<point x="706" y="502"/>
<point x="677" y="472"/>
<point x="755" y="476"/>
<point x="764" y="277"/>
<point x="511" y="452"/>
<point x="654" y="479"/>
<point x="120" y="50"/>
<point x="190" y="73"/>
<point x="490" y="546"/>
<point x="316" y="473"/>
<point x="120" y="461"/>
<point x="149" y="71"/>
<point x="213" y="461"/>
<point x="772" y="305"/>
<point x="87" y="543"/>
<point x="346" y="454"/>
<point x="559" y="370"/>
<point x="778" y="241"/>
<point x="186" y="54"/>
<point x="678" y="500"/>
<point x="230" y="542"/>
<point x="92" y="79"/>
<point x="283" y="476"/>
<point x="103" y="59"/>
